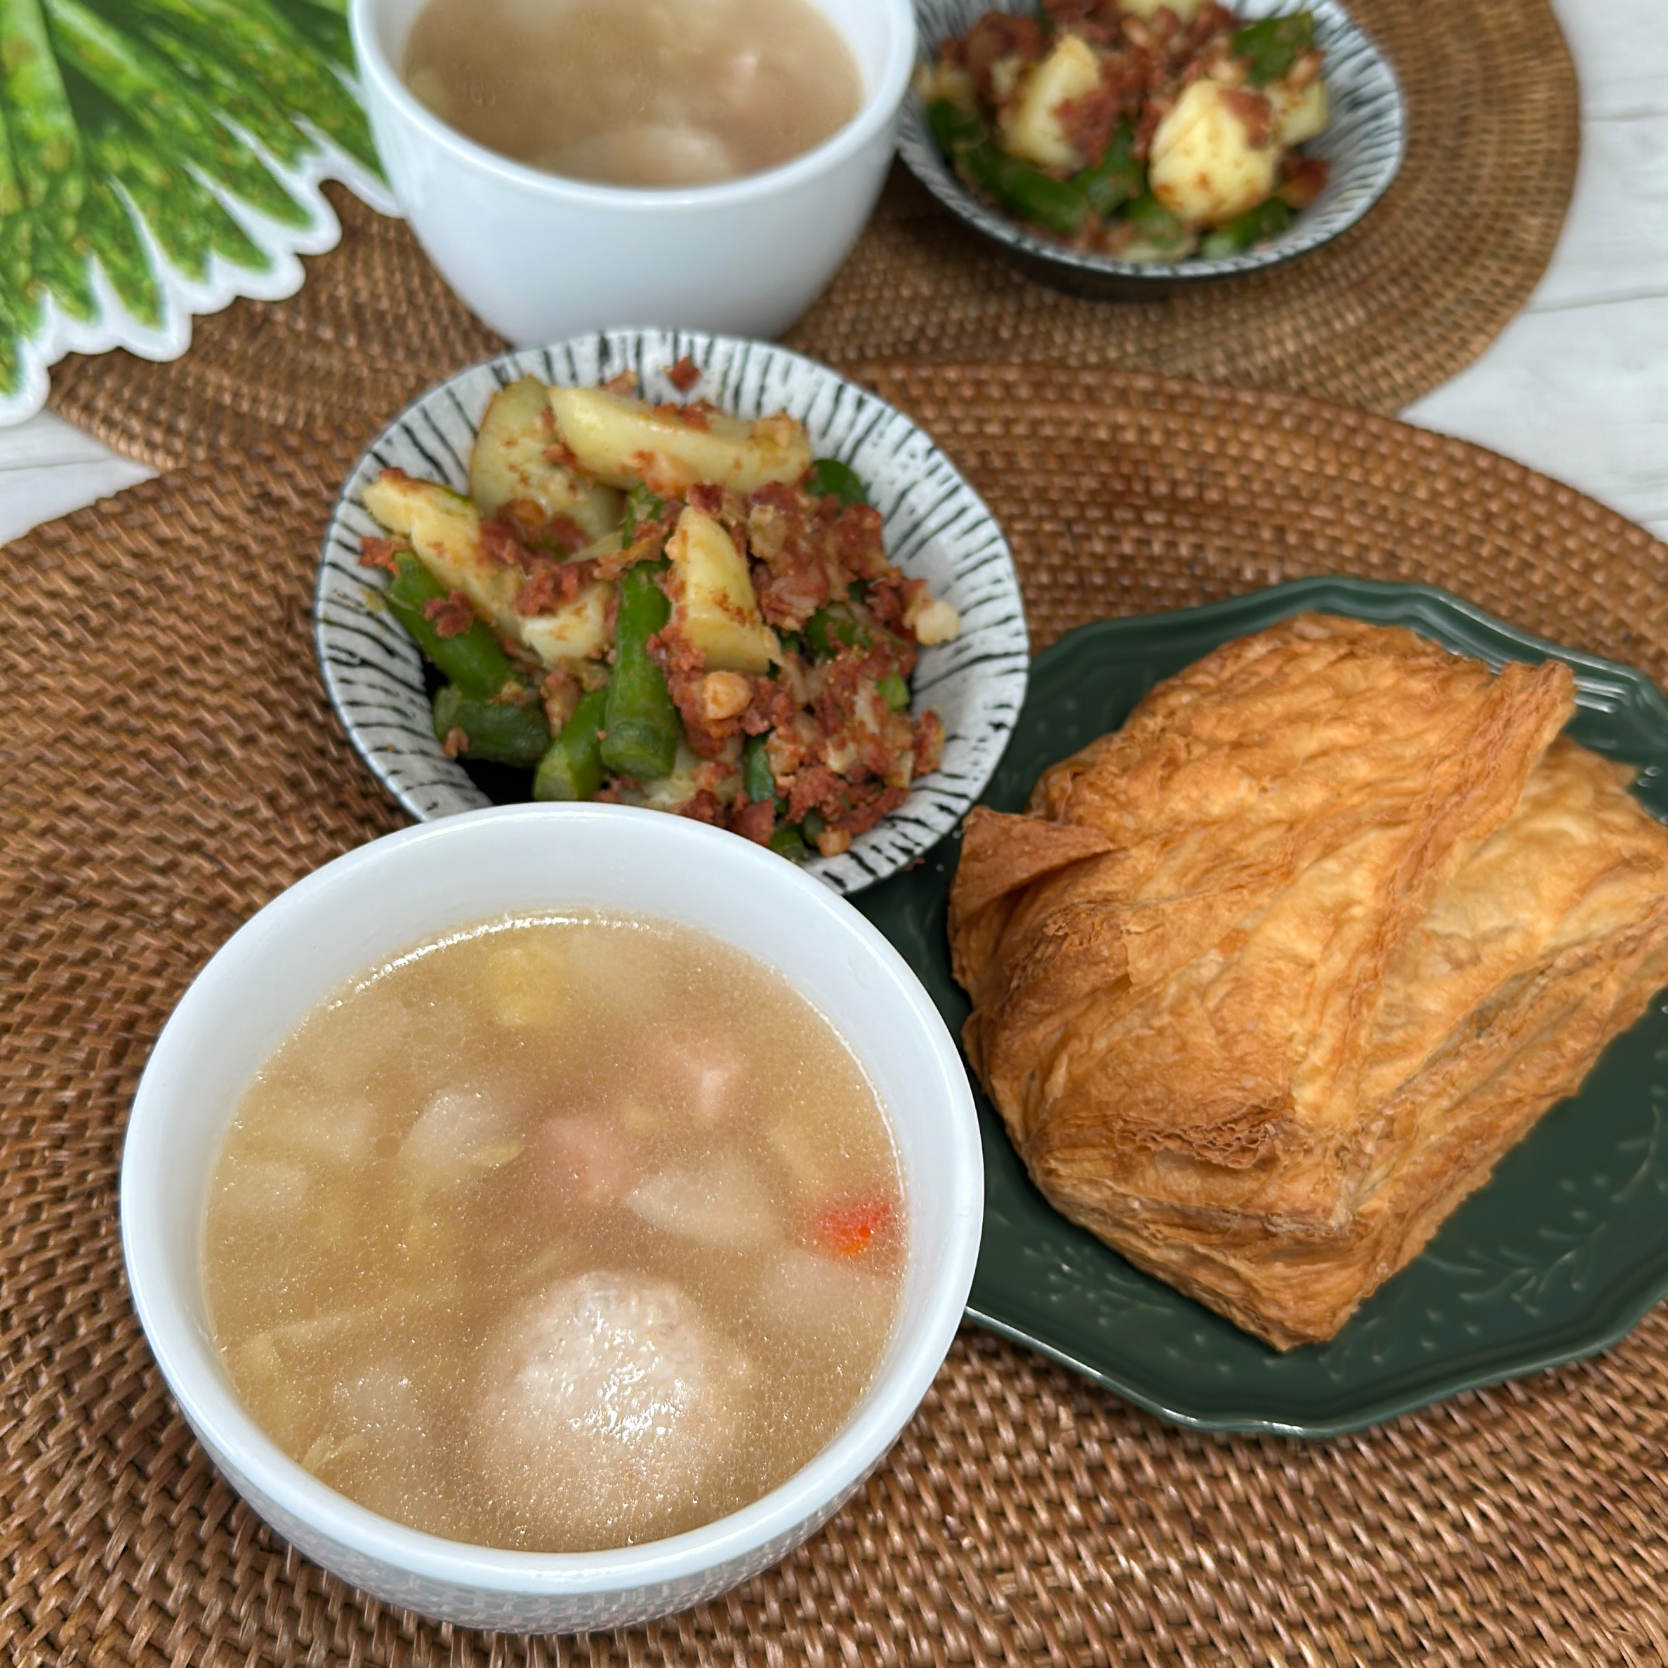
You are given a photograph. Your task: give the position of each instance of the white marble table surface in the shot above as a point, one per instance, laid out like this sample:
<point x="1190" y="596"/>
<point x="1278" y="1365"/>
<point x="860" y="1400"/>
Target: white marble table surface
<point x="1576" y="386"/>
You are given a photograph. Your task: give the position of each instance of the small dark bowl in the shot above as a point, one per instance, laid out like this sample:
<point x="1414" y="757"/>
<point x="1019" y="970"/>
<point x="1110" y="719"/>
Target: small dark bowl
<point x="1364" y="143"/>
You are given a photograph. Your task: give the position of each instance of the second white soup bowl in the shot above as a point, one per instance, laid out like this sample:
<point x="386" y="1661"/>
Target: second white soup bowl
<point x="538" y="256"/>
<point x="397" y="891"/>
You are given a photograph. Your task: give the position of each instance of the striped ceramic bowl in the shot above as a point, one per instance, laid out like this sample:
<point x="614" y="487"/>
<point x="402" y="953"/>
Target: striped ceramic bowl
<point x="936" y="529"/>
<point x="1364" y="143"/>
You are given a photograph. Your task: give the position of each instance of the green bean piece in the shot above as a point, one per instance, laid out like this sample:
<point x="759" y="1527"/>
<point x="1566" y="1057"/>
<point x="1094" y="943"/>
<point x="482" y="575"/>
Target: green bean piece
<point x="829" y="478"/>
<point x="1060" y="205"/>
<point x="473" y="659"/>
<point x="1117" y="178"/>
<point x="758" y="780"/>
<point x="641" y="722"/>
<point x="141" y="82"/>
<point x="819" y="635"/>
<point x="39" y="121"/>
<point x="827" y="631"/>
<point x="231" y="92"/>
<point x="952" y="127"/>
<point x="494" y="730"/>
<point x="572" y="766"/>
<point x="1270" y="47"/>
<point x="1156" y="225"/>
<point x="894" y="692"/>
<point x="1268" y="219"/>
<point x="785" y="840"/>
<point x="261" y="42"/>
<point x="1028" y="192"/>
<point x="813" y="823"/>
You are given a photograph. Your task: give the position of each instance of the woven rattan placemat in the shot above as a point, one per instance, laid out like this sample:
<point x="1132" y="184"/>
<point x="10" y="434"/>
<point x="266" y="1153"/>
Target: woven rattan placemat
<point x="1386" y="313"/>
<point x="170" y="764"/>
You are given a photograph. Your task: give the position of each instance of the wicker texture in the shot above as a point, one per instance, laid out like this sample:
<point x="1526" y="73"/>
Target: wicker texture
<point x="169" y="765"/>
<point x="1388" y="311"/>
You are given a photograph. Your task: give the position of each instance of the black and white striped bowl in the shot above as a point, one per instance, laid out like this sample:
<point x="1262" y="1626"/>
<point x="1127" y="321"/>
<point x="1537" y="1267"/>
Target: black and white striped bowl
<point x="936" y="528"/>
<point x="1364" y="142"/>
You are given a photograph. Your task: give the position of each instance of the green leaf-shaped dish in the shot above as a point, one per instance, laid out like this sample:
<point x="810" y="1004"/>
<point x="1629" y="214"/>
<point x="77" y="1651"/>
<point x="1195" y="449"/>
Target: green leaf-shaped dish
<point x="1558" y="1255"/>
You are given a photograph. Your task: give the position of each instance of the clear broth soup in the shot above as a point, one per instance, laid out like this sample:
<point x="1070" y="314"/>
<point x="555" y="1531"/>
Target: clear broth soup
<point x="557" y="1233"/>
<point x="636" y="92"/>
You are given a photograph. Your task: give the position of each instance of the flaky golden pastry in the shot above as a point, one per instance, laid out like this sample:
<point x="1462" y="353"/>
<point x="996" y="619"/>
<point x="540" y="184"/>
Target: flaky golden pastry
<point x="1266" y="981"/>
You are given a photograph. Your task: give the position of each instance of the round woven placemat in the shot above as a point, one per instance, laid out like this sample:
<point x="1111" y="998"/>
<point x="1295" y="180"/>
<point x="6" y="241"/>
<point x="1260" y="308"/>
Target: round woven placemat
<point x="170" y="765"/>
<point x="1387" y="312"/>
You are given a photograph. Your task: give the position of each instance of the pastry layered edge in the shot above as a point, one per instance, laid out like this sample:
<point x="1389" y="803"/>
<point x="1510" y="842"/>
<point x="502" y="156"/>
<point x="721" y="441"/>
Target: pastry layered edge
<point x="1284" y="1208"/>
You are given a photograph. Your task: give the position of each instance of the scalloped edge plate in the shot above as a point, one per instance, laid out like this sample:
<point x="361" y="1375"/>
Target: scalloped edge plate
<point x="185" y="299"/>
<point x="1556" y="1257"/>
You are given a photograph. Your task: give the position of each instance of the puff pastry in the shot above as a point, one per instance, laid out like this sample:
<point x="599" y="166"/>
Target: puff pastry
<point x="1265" y="982"/>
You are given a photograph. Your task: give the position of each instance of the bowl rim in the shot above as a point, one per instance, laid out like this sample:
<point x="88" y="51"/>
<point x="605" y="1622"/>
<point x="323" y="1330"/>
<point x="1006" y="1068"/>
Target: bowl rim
<point x="216" y="1414"/>
<point x="879" y="107"/>
<point x="1006" y="664"/>
<point x="951" y="194"/>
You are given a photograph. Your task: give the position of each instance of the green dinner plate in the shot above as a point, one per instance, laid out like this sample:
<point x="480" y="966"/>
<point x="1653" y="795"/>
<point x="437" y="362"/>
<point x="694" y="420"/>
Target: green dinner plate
<point x="1558" y="1255"/>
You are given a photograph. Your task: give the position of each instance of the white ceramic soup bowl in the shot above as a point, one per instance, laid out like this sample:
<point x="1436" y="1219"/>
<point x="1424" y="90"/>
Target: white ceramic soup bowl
<point x="538" y="256"/>
<point x="410" y="886"/>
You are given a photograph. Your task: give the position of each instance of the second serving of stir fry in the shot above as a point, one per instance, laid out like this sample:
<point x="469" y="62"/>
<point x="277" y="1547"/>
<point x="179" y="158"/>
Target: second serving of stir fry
<point x="1142" y="130"/>
<point x="668" y="606"/>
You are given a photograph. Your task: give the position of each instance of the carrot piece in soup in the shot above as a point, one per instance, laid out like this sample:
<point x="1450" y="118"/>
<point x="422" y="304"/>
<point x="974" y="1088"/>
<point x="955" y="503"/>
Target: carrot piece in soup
<point x="846" y="1229"/>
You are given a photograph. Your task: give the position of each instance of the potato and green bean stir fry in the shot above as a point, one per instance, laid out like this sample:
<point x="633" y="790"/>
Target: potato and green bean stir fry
<point x="663" y="605"/>
<point x="1147" y="130"/>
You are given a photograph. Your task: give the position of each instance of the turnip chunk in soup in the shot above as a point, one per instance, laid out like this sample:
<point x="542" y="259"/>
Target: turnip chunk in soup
<point x="558" y="1233"/>
<point x="636" y="92"/>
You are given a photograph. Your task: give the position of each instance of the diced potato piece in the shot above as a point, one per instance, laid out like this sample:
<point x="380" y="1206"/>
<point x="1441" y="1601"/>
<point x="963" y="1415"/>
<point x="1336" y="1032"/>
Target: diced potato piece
<point x="578" y="630"/>
<point x="329" y="1448"/>
<point x="816" y="1296"/>
<point x="932" y="619"/>
<point x="622" y="440"/>
<point x="946" y="81"/>
<point x="336" y="1131"/>
<point x="1186" y="10"/>
<point x="811" y="1149"/>
<point x="639" y="1118"/>
<point x="719" y="1202"/>
<point x="445" y="532"/>
<point x="1004" y="76"/>
<point x="1299" y="113"/>
<point x="1030" y="126"/>
<point x="286" y="1407"/>
<point x="1203" y="166"/>
<point x="669" y="792"/>
<point x="717" y="610"/>
<point x="457" y="1135"/>
<point x="528" y="985"/>
<point x="509" y="462"/>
